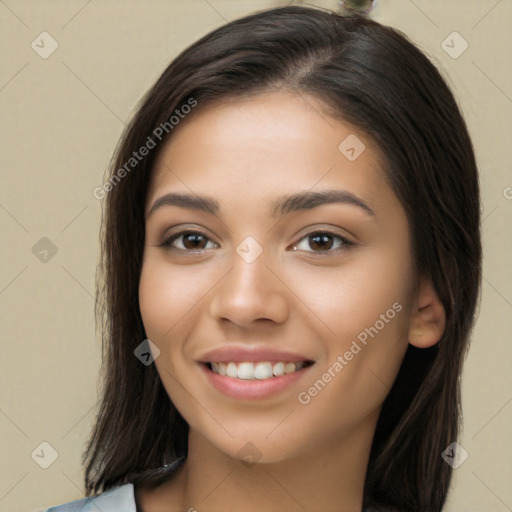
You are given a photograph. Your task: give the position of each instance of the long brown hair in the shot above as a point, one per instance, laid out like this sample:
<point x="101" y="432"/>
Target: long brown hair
<point x="373" y="77"/>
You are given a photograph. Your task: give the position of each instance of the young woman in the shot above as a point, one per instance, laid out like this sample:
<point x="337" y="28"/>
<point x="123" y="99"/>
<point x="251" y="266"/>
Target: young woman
<point x="292" y="260"/>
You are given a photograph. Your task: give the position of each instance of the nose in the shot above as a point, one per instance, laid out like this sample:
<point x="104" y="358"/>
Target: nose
<point x="250" y="294"/>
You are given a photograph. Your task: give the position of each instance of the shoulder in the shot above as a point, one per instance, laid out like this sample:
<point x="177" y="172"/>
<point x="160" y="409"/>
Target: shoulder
<point x="113" y="500"/>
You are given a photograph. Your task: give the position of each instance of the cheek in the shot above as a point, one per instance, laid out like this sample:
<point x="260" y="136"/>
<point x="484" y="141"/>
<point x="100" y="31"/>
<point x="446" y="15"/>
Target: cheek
<point x="352" y="296"/>
<point x="365" y="305"/>
<point x="171" y="299"/>
<point x="156" y="300"/>
<point x="167" y="295"/>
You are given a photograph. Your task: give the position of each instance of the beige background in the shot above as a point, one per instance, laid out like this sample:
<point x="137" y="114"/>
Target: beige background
<point x="61" y="119"/>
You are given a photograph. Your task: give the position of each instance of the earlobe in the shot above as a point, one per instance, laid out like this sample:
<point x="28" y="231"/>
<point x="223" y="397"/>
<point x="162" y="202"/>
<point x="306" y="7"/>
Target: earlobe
<point x="428" y="317"/>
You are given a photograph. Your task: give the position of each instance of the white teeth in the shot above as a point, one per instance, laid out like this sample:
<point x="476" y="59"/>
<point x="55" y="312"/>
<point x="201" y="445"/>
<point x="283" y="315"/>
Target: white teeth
<point x="252" y="371"/>
<point x="232" y="370"/>
<point x="289" y="367"/>
<point x="263" y="371"/>
<point x="245" y="371"/>
<point x="278" y="369"/>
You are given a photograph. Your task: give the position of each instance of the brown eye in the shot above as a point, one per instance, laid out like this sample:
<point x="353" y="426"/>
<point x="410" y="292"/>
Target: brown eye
<point x="193" y="241"/>
<point x="323" y="243"/>
<point x="188" y="241"/>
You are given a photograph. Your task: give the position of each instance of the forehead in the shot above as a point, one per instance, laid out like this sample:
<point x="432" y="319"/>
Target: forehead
<point x="263" y="145"/>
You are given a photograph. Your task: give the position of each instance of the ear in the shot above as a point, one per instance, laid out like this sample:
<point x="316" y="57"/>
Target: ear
<point x="428" y="317"/>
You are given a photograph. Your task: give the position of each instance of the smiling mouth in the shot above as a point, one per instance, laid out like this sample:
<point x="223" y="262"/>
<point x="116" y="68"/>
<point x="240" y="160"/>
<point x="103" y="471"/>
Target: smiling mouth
<point x="261" y="370"/>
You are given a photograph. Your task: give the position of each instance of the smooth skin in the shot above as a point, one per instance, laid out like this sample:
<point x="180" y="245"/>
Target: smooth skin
<point x="305" y="293"/>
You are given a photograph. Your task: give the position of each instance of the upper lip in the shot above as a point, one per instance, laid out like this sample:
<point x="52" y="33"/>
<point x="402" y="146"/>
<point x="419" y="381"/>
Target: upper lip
<point x="256" y="354"/>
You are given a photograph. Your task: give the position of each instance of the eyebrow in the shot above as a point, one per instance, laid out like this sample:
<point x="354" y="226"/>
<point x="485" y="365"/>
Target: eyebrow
<point x="281" y="206"/>
<point x="190" y="201"/>
<point x="311" y="199"/>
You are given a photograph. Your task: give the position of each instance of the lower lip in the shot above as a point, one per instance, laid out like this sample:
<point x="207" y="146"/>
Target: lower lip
<point x="252" y="389"/>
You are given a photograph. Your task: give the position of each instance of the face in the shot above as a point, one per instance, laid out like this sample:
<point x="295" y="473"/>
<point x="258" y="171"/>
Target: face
<point x="280" y="322"/>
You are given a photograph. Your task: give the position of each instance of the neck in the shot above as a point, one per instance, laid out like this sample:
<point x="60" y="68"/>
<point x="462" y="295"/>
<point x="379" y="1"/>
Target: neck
<point x="327" y="478"/>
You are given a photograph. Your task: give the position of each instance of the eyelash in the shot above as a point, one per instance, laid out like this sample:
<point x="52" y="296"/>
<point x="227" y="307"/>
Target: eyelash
<point x="345" y="243"/>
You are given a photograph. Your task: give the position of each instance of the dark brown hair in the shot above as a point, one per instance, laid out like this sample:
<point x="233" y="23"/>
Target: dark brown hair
<point x="368" y="75"/>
